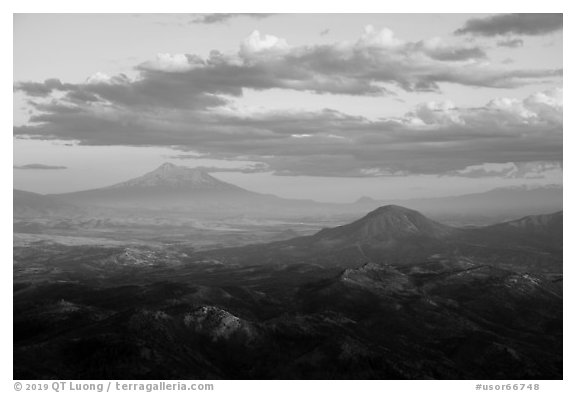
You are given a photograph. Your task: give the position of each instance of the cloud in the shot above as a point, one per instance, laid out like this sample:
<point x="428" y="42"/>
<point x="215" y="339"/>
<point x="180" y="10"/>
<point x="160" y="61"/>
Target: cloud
<point x="256" y="44"/>
<point x="519" y="24"/>
<point x="434" y="112"/>
<point x="325" y="32"/>
<point x="377" y="63"/>
<point x="37" y="89"/>
<point x="169" y="63"/>
<point x="155" y="88"/>
<point x="383" y="38"/>
<point x="511" y="170"/>
<point x="185" y="101"/>
<point x="511" y="43"/>
<point x="39" y="166"/>
<point x="255" y="168"/>
<point x="221" y="17"/>
<point x="433" y="138"/>
<point x="544" y="106"/>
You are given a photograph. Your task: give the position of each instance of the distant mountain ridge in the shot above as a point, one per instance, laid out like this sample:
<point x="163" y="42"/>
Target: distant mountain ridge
<point x="30" y="204"/>
<point x="542" y="231"/>
<point x="536" y="223"/>
<point x="170" y="187"/>
<point x="505" y="203"/>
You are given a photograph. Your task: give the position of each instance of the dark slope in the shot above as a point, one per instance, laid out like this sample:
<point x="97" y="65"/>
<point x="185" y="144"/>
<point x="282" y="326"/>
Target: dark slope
<point x="532" y="243"/>
<point x="544" y="231"/>
<point x="550" y="224"/>
<point x="449" y="319"/>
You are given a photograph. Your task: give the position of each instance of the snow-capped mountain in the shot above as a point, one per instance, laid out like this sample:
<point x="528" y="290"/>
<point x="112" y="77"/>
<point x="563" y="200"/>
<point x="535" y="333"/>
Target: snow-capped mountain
<point x="170" y="176"/>
<point x="171" y="187"/>
<point x="167" y="187"/>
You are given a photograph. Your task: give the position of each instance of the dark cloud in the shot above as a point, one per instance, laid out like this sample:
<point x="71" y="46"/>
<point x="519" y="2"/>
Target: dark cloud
<point x="257" y="168"/>
<point x="433" y="138"/>
<point x="39" y="166"/>
<point x="459" y="54"/>
<point x="437" y="50"/>
<point x="520" y="24"/>
<point x="252" y="168"/>
<point x="325" y="32"/>
<point x="153" y="90"/>
<point x="511" y="43"/>
<point x="221" y="17"/>
<point x="39" y="89"/>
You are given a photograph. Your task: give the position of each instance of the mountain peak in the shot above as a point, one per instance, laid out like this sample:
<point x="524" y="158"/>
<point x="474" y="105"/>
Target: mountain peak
<point x="166" y="166"/>
<point x="365" y="200"/>
<point x="172" y="176"/>
<point x="387" y="223"/>
<point x="392" y="210"/>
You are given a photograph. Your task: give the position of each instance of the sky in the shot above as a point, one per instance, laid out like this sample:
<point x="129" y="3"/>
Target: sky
<point x="330" y="107"/>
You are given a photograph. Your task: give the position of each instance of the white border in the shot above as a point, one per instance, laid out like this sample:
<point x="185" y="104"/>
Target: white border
<point x="356" y="6"/>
